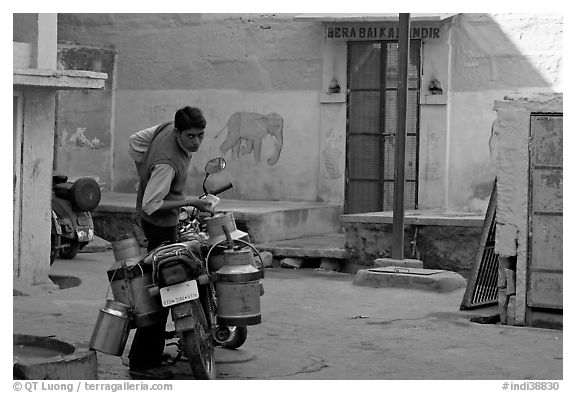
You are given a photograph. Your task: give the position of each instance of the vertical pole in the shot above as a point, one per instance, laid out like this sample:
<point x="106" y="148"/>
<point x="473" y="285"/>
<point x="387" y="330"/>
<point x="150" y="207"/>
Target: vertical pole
<point x="399" y="175"/>
<point x="46" y="43"/>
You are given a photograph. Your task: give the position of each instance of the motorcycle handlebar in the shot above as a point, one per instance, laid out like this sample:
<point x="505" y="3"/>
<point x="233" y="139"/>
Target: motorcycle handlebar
<point x="222" y="189"/>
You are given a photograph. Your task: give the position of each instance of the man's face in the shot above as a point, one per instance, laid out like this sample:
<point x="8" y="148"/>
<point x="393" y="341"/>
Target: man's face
<point x="191" y="139"/>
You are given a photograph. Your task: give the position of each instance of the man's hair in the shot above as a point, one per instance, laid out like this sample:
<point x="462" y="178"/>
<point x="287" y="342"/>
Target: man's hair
<point x="188" y="117"/>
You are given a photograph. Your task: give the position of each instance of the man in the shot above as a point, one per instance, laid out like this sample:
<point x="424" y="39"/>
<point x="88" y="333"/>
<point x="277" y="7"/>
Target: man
<point x="162" y="155"/>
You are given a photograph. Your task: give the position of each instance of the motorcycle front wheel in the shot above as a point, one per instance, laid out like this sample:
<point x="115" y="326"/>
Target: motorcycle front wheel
<point x="230" y="337"/>
<point x="197" y="345"/>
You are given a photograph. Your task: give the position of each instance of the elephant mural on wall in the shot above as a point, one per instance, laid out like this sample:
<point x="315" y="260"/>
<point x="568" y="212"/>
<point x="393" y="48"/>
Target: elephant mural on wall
<point x="246" y="130"/>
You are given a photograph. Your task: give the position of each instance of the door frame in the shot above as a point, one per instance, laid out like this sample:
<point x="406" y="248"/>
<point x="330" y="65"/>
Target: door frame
<point x="383" y="133"/>
<point x="18" y="139"/>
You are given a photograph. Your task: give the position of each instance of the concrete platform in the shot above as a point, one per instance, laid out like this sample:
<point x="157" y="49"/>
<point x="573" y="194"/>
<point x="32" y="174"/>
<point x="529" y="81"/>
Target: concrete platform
<point x="410" y="278"/>
<point x="265" y="221"/>
<point x="441" y="239"/>
<point x="419" y="217"/>
<point x="385" y="262"/>
<point x="331" y="245"/>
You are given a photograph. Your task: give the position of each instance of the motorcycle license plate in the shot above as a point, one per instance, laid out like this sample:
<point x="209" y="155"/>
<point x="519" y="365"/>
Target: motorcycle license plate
<point x="179" y="293"/>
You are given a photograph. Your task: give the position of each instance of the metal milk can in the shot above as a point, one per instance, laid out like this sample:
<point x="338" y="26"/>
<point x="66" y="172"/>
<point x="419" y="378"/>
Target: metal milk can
<point x="238" y="289"/>
<point x="112" y="328"/>
<point x="131" y="283"/>
<point x="131" y="279"/>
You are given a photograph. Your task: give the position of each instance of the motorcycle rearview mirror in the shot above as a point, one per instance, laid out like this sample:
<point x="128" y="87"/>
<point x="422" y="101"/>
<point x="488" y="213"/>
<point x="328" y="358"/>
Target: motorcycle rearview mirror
<point x="215" y="165"/>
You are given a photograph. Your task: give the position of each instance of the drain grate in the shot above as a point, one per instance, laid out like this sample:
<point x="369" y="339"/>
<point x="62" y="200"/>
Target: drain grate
<point x="482" y="288"/>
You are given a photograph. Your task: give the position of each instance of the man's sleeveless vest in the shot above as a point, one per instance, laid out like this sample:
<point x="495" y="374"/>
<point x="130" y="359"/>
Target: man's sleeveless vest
<point x="164" y="149"/>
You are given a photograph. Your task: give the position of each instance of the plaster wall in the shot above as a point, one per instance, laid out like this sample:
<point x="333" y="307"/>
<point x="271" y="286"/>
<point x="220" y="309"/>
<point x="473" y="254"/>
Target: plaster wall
<point x="228" y="63"/>
<point x="84" y="138"/>
<point x="432" y="184"/>
<point x="224" y="64"/>
<point x="36" y="200"/>
<point x="332" y="136"/>
<point x="293" y="177"/>
<point x="492" y="56"/>
<point x="25" y="28"/>
<point x="511" y="158"/>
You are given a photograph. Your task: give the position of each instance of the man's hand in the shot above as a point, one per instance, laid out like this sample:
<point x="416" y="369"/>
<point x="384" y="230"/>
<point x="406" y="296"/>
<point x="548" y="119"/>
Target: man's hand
<point x="202" y="205"/>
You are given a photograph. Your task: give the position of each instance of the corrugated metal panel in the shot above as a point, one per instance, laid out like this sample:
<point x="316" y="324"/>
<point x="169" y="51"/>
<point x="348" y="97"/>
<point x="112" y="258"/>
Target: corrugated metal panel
<point x="545" y="265"/>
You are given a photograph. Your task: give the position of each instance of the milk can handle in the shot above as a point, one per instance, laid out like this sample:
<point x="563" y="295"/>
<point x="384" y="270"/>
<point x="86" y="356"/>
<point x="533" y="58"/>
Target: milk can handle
<point x="237" y="240"/>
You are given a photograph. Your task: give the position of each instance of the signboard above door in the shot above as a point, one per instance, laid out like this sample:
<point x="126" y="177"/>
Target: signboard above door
<point x="379" y="31"/>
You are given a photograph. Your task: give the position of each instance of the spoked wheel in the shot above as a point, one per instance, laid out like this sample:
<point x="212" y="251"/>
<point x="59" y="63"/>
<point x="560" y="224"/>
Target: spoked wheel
<point x="55" y="238"/>
<point x="54" y="247"/>
<point x="197" y="345"/>
<point x="69" y="249"/>
<point x="230" y="337"/>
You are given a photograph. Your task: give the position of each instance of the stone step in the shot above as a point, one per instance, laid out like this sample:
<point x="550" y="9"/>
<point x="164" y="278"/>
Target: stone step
<point x="331" y="245"/>
<point x="265" y="221"/>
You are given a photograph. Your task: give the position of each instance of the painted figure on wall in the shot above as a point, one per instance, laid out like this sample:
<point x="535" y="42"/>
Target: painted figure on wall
<point x="246" y="130"/>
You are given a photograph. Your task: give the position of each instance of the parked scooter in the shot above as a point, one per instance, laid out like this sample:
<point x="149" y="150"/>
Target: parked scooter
<point x="209" y="305"/>
<point x="72" y="225"/>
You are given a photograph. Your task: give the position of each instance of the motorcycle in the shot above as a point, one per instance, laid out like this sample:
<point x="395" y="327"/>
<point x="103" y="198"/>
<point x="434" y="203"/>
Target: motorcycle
<point x="209" y="282"/>
<point x="191" y="226"/>
<point x="72" y="226"/>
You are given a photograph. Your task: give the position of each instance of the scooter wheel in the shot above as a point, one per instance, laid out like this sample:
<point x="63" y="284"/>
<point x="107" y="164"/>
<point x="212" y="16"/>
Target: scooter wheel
<point x="68" y="250"/>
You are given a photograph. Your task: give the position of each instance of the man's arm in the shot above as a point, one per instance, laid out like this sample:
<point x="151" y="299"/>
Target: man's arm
<point x="139" y="143"/>
<point x="158" y="188"/>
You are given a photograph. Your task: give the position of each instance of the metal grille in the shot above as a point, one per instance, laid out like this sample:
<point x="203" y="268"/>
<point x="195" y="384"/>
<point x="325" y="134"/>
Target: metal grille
<point x="367" y="150"/>
<point x="365" y="72"/>
<point x="372" y="126"/>
<point x="482" y="288"/>
<point x="366" y="116"/>
<point x="366" y="195"/>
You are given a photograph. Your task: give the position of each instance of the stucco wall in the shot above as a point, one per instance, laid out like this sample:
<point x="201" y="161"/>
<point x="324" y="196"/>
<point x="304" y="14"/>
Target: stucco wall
<point x="227" y="63"/>
<point x="511" y="158"/>
<point x="84" y="137"/>
<point x="492" y="55"/>
<point x="223" y="64"/>
<point x="434" y="123"/>
<point x="293" y="177"/>
<point x="25" y="28"/>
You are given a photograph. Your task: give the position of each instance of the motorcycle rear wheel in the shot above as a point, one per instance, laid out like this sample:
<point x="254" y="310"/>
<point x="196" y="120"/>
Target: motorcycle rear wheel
<point x="197" y="345"/>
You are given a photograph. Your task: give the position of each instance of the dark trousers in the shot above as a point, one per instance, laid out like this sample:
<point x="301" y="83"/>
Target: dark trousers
<point x="148" y="344"/>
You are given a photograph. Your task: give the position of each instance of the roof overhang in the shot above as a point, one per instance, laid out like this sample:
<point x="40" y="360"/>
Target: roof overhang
<point x="347" y="18"/>
<point x="59" y="79"/>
